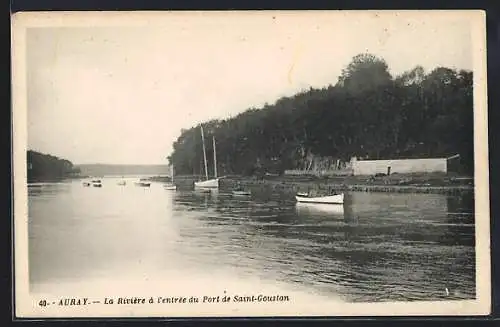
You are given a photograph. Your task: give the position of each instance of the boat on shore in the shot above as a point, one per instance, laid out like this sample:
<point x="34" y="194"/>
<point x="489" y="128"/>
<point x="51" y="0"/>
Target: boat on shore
<point x="93" y="182"/>
<point x="328" y="199"/>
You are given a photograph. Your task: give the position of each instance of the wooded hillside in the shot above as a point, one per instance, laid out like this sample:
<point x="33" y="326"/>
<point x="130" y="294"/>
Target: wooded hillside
<point x="367" y="113"/>
<point x="45" y="167"/>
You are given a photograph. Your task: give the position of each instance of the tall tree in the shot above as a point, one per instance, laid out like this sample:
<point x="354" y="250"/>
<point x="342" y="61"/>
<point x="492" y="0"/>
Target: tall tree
<point x="366" y="71"/>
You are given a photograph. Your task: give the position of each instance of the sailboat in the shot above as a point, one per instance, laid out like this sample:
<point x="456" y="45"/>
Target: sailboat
<point x="208" y="183"/>
<point x="171" y="186"/>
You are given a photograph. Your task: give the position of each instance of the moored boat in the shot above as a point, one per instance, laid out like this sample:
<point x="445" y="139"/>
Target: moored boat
<point x="242" y="193"/>
<point x="329" y="199"/>
<point x="208" y="183"/>
<point x="122" y="183"/>
<point x="171" y="186"/>
<point x="143" y="184"/>
<point x="93" y="182"/>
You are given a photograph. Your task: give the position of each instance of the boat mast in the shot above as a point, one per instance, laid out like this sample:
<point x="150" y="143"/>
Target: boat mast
<point x="215" y="158"/>
<point x="204" y="152"/>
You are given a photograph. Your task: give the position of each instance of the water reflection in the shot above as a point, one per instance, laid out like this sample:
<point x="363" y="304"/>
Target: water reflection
<point x="365" y="243"/>
<point x="376" y="247"/>
<point x="47" y="189"/>
<point x="321" y="210"/>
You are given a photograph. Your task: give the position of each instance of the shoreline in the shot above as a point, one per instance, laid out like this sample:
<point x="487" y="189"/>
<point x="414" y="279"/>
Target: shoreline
<point x="397" y="183"/>
<point x="55" y="179"/>
<point x="294" y="187"/>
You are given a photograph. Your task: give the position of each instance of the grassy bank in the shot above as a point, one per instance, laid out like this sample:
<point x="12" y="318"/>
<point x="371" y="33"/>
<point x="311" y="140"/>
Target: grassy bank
<point x="178" y="179"/>
<point x="398" y="183"/>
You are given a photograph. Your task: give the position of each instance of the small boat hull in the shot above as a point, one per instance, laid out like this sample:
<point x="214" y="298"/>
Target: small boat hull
<point x="97" y="185"/>
<point x="143" y="184"/>
<point x="170" y="187"/>
<point x="331" y="199"/>
<point x="211" y="183"/>
<point x="242" y="193"/>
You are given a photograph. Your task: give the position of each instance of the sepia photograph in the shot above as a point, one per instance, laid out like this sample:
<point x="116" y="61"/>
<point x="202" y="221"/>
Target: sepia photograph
<point x="257" y="164"/>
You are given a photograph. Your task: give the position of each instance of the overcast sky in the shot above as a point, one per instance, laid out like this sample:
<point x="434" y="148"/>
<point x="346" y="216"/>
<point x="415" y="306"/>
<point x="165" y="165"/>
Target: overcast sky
<point x="122" y="94"/>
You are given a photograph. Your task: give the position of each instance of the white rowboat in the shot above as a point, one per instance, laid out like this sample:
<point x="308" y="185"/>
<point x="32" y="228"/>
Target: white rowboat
<point x="330" y="199"/>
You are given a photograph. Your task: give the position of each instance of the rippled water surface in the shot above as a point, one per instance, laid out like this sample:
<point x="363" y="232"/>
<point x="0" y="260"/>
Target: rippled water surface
<point x="377" y="247"/>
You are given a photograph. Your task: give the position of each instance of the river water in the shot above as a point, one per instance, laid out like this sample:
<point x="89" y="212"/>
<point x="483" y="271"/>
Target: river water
<point x="377" y="247"/>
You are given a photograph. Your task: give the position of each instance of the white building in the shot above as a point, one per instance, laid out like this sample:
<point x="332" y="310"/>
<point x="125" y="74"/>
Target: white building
<point x="402" y="166"/>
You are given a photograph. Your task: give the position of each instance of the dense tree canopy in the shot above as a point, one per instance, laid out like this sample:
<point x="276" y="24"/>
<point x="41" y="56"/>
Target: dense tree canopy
<point x="43" y="167"/>
<point x="368" y="114"/>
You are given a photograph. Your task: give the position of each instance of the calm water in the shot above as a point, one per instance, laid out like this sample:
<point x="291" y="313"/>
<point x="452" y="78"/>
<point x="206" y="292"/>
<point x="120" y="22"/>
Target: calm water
<point x="380" y="247"/>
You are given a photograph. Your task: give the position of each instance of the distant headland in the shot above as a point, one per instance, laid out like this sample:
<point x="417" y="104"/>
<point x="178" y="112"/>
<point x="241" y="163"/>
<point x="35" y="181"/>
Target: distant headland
<point x="47" y="168"/>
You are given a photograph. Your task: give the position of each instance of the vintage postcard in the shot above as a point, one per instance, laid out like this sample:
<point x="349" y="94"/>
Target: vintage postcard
<point x="267" y="163"/>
